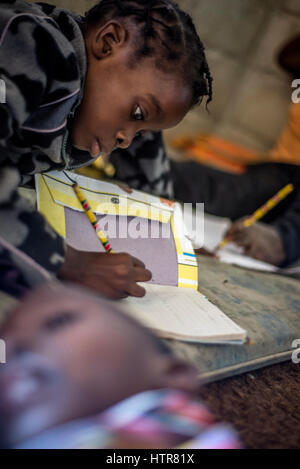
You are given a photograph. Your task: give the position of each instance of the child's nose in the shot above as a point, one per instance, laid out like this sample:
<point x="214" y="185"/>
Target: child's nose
<point x="124" y="139"/>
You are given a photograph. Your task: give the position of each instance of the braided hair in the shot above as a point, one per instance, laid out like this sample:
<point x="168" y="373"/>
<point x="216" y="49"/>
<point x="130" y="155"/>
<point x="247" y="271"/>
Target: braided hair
<point x="168" y="34"/>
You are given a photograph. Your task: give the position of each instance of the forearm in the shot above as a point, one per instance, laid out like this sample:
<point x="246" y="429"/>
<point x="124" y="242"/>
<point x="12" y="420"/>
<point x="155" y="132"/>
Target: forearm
<point x="289" y="230"/>
<point x="26" y="229"/>
<point x="288" y="224"/>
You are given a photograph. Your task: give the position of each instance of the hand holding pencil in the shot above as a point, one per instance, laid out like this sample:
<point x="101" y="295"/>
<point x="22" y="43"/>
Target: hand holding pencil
<point x="259" y="240"/>
<point x="113" y="275"/>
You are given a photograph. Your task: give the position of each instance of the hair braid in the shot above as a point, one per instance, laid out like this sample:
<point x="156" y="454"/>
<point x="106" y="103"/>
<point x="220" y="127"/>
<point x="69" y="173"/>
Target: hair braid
<point x="169" y="35"/>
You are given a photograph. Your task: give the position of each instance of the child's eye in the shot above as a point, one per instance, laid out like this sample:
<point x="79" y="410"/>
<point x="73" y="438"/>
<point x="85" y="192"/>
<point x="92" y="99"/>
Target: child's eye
<point x="138" y="114"/>
<point x="59" y="321"/>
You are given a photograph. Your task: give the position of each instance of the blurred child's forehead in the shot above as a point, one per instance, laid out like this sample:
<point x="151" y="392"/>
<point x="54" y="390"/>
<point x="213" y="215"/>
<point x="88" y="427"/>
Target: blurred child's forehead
<point x="65" y="316"/>
<point x="51" y="309"/>
<point x="50" y="301"/>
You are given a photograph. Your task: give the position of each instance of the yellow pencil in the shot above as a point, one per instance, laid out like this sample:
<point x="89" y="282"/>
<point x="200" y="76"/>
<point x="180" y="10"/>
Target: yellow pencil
<point x="263" y="210"/>
<point x="91" y="216"/>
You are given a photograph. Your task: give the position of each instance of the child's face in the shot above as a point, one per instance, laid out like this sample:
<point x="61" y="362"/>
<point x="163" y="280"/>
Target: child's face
<point x="70" y="356"/>
<point x="120" y="101"/>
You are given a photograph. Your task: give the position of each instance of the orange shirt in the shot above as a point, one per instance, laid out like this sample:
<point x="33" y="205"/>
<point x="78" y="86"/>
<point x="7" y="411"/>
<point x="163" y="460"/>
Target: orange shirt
<point x="228" y="156"/>
<point x="287" y="148"/>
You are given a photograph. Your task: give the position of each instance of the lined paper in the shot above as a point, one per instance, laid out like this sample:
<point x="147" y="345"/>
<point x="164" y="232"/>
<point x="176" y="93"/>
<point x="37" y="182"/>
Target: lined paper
<point x="183" y="313"/>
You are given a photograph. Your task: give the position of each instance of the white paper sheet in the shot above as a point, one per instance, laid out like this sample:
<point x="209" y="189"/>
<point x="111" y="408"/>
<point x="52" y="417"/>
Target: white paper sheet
<point x="214" y="231"/>
<point x="183" y="314"/>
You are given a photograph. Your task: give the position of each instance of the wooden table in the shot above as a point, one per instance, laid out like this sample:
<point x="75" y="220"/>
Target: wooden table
<point x="266" y="305"/>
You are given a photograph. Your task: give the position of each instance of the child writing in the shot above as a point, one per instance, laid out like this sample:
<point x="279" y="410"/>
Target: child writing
<point x="277" y="240"/>
<point x="80" y="87"/>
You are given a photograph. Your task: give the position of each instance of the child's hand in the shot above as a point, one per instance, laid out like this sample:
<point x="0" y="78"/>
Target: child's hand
<point x="260" y="241"/>
<point x="205" y="252"/>
<point x="113" y="275"/>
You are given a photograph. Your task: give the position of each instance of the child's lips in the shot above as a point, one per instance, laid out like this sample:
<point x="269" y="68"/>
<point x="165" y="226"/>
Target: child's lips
<point x="22" y="384"/>
<point x="98" y="149"/>
<point x="17" y="392"/>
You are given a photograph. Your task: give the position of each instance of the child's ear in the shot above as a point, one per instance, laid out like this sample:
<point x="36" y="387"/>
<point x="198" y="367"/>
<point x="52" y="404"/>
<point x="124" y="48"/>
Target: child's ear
<point x="181" y="375"/>
<point x="108" y="39"/>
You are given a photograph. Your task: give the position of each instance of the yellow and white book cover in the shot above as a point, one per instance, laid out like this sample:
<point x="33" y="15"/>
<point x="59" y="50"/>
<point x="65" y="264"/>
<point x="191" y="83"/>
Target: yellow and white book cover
<point x="147" y="227"/>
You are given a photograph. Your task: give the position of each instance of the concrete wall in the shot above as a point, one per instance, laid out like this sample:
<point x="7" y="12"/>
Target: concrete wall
<point x="251" y="93"/>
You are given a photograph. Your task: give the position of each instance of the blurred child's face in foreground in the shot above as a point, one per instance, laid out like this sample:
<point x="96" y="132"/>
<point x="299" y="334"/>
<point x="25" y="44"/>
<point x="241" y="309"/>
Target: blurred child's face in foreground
<point x="70" y="355"/>
<point x="120" y="100"/>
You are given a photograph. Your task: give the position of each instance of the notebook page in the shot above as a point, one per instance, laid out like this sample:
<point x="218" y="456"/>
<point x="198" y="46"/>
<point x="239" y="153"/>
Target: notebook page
<point x="231" y="255"/>
<point x="214" y="232"/>
<point x="182" y="313"/>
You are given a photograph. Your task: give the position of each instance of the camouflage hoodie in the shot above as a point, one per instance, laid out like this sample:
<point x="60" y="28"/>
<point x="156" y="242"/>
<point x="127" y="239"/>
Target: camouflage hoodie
<point x="42" y="73"/>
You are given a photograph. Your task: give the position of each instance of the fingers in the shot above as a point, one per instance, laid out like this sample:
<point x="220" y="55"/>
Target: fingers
<point x="137" y="263"/>
<point x="130" y="271"/>
<point x="242" y="239"/>
<point x="136" y="290"/>
<point x="241" y="235"/>
<point x="113" y="275"/>
<point x="142" y="275"/>
<point x="104" y="288"/>
<point x="128" y="260"/>
<point x="246" y="239"/>
<point x="132" y="268"/>
<point x="237" y="227"/>
<point x="204" y="252"/>
<point x="255" y="252"/>
<point x="139" y="274"/>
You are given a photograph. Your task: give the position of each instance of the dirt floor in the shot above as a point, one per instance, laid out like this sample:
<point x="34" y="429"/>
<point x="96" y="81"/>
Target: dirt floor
<point x="263" y="406"/>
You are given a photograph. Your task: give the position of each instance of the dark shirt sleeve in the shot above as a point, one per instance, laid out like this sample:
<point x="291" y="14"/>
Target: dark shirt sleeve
<point x="24" y="70"/>
<point x="288" y="226"/>
<point x="288" y="222"/>
<point x="24" y="227"/>
<point x="145" y="165"/>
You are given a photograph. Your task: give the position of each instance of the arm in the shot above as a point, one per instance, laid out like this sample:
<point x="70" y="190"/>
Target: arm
<point x="26" y="76"/>
<point x="279" y="242"/>
<point x="43" y="52"/>
<point x="288" y="226"/>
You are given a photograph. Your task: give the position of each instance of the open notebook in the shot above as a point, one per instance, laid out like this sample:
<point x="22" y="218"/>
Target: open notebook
<point x="183" y="314"/>
<point x="214" y="231"/>
<point x="151" y="229"/>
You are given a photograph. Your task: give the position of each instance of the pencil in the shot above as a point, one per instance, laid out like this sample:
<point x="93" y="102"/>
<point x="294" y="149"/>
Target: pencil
<point x="92" y="218"/>
<point x="262" y="211"/>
